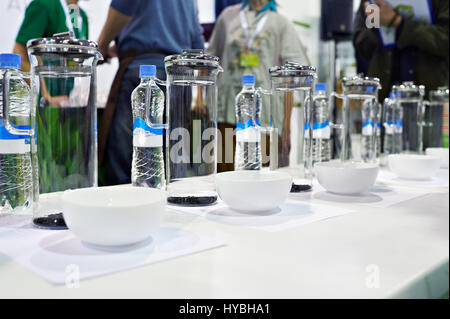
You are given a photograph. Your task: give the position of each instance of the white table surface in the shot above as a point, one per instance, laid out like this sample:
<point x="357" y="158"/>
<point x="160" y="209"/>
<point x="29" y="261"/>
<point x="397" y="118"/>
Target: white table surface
<point x="405" y="249"/>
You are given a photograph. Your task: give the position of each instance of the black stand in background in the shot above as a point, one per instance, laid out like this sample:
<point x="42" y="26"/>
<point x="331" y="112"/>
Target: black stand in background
<point x="336" y="25"/>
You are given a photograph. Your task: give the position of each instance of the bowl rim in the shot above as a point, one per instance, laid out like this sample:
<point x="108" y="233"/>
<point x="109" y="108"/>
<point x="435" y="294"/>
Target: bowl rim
<point x="278" y="176"/>
<point x="144" y="201"/>
<point x="365" y="166"/>
<point x="419" y="157"/>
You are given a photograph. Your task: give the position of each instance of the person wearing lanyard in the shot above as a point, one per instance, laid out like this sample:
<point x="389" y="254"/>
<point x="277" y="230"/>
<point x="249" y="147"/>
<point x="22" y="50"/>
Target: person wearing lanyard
<point x="145" y="32"/>
<point x="249" y="38"/>
<point x="44" y="18"/>
<point x="420" y="52"/>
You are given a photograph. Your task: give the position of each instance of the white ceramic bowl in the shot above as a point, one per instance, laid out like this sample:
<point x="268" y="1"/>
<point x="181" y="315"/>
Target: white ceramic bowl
<point x="442" y="153"/>
<point x="414" y="167"/>
<point x="253" y="191"/>
<point x="348" y="178"/>
<point x="113" y="216"/>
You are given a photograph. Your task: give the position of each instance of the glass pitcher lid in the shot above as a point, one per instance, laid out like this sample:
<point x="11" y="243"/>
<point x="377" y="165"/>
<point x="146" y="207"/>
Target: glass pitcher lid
<point x="359" y="81"/>
<point x="439" y="95"/>
<point x="408" y="90"/>
<point x="65" y="44"/>
<point x="193" y="58"/>
<point x="292" y="69"/>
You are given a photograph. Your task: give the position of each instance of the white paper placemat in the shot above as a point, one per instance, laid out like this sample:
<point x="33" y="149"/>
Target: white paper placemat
<point x="290" y="214"/>
<point x="440" y="180"/>
<point x="381" y="196"/>
<point x="61" y="258"/>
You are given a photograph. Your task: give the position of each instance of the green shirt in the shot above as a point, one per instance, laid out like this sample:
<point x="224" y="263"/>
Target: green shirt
<point x="44" y="18"/>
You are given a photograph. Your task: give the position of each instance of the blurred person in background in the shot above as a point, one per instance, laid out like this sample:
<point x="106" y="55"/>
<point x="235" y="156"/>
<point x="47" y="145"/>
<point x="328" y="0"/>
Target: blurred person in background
<point x="223" y="4"/>
<point x="249" y="38"/>
<point x="145" y="32"/>
<point x="421" y="52"/>
<point x="44" y="18"/>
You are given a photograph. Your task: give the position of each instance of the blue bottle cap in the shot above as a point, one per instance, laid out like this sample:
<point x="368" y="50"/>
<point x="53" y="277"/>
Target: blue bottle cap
<point x="321" y="87"/>
<point x="248" y="80"/>
<point x="147" y="71"/>
<point x="10" y="60"/>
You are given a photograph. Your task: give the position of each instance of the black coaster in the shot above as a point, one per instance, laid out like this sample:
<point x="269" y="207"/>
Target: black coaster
<point x="192" y="200"/>
<point x="54" y="222"/>
<point x="300" y="188"/>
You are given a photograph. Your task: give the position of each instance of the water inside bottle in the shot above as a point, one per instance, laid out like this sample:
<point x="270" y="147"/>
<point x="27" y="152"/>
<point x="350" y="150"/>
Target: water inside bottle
<point x="16" y="179"/>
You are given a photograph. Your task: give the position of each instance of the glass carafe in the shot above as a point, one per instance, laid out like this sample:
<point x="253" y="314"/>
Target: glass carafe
<point x="290" y="116"/>
<point x="435" y="132"/>
<point x="410" y="98"/>
<point x="191" y="114"/>
<point x="361" y="117"/>
<point x="64" y="85"/>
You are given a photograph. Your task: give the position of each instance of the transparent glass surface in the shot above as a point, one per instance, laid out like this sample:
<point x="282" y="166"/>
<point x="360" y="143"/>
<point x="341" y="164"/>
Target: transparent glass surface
<point x="290" y="110"/>
<point x="192" y="139"/>
<point x="66" y="122"/>
<point x="361" y="119"/>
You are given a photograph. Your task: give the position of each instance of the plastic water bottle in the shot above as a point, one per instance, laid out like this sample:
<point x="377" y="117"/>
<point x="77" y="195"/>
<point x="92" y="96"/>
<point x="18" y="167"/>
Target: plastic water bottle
<point x="371" y="131"/>
<point x="321" y="141"/>
<point x="248" y="132"/>
<point x="389" y="125"/>
<point x="398" y="128"/>
<point x="148" y="131"/>
<point x="16" y="178"/>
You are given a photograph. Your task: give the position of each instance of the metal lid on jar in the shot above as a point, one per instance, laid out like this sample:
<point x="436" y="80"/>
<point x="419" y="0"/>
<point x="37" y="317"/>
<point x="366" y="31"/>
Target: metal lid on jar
<point x="193" y="58"/>
<point x="292" y="69"/>
<point x="63" y="43"/>
<point x="408" y="90"/>
<point x="439" y="95"/>
<point x="359" y="87"/>
<point x="359" y="80"/>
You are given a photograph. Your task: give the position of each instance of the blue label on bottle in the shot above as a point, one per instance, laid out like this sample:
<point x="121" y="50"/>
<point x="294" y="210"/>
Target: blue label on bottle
<point x="320" y="130"/>
<point x="6" y="135"/>
<point x="248" y="124"/>
<point x="12" y="143"/>
<point x="140" y="124"/>
<point x="399" y="123"/>
<point x="319" y="126"/>
<point x="368" y="123"/>
<point x="145" y="135"/>
<point x="248" y="132"/>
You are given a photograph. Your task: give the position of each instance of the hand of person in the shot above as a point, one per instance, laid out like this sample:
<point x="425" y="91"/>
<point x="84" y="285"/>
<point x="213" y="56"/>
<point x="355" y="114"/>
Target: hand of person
<point x="286" y="138"/>
<point x="200" y="108"/>
<point x="107" y="52"/>
<point x="60" y="101"/>
<point x="387" y="13"/>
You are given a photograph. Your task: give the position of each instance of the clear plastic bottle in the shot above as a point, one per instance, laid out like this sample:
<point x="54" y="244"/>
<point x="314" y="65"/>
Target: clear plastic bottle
<point x="148" y="131"/>
<point x="248" y="132"/>
<point x="321" y="141"/>
<point x="389" y="107"/>
<point x="398" y="128"/>
<point x="370" y="137"/>
<point x="378" y="132"/>
<point x="16" y="179"/>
